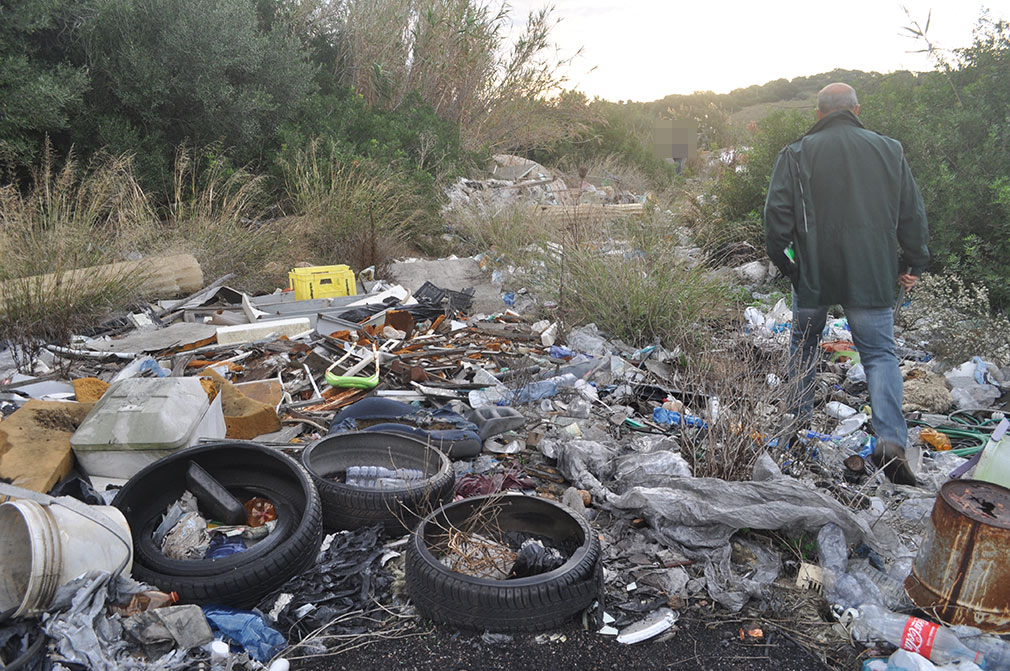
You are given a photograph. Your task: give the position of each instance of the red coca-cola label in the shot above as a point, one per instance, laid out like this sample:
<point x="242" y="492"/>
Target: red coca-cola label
<point x="918" y="636"/>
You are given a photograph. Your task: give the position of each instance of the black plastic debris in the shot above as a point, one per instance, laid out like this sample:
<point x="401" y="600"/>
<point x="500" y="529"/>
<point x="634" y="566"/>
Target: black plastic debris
<point x="456" y="300"/>
<point x="347" y="577"/>
<point x="534" y="558"/>
<point x="22" y="646"/>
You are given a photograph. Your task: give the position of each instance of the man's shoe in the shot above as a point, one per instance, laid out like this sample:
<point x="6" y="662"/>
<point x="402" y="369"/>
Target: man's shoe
<point x="891" y="457"/>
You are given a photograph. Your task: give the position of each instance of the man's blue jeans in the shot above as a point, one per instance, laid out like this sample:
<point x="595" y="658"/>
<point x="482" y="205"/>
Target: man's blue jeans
<point x="873" y="335"/>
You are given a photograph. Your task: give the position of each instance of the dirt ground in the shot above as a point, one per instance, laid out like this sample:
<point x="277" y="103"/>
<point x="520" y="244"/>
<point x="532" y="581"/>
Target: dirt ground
<point x="693" y="647"/>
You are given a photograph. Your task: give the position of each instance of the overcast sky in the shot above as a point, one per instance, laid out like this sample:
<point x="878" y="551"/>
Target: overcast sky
<point x="646" y="49"/>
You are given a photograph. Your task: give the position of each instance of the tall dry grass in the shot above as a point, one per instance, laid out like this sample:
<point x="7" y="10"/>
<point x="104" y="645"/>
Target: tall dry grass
<point x="221" y="215"/>
<point x="68" y="217"/>
<point x="351" y="211"/>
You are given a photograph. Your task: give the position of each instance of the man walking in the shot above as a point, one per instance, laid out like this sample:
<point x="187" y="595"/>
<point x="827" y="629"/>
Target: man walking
<point x="843" y="202"/>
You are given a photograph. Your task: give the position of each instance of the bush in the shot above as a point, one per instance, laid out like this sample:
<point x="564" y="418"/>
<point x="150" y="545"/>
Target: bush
<point x="641" y="292"/>
<point x="352" y="210"/>
<point x="612" y="133"/>
<point x="955" y="320"/>
<point x="171" y="72"/>
<point x="952" y="123"/>
<point x="38" y="91"/>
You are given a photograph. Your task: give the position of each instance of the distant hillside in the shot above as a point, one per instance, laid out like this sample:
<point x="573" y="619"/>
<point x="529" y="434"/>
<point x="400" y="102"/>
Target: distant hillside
<point x="798" y="90"/>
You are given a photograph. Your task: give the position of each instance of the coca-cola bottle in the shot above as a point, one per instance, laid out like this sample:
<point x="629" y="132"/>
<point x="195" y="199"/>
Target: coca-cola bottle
<point x="933" y="641"/>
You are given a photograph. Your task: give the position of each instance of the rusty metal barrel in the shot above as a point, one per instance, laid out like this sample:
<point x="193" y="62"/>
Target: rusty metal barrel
<point x="962" y="572"/>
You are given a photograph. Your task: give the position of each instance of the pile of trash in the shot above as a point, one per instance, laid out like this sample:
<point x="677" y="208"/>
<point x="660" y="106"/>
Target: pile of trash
<point x="240" y="478"/>
<point x="514" y="181"/>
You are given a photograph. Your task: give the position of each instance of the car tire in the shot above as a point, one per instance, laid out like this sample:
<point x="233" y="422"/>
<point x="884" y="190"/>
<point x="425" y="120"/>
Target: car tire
<point x="245" y="469"/>
<point x="533" y="603"/>
<point x="397" y="509"/>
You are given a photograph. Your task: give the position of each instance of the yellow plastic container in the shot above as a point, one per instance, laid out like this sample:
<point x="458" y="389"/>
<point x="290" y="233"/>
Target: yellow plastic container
<point x="322" y="282"/>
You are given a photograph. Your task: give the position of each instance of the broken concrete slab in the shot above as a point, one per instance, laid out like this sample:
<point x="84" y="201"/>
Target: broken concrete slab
<point x="35" y="443"/>
<point x="243" y="333"/>
<point x="141" y="342"/>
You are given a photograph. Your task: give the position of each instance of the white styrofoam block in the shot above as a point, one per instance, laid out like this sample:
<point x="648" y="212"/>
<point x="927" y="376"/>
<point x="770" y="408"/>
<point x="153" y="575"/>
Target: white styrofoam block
<point x="240" y="333"/>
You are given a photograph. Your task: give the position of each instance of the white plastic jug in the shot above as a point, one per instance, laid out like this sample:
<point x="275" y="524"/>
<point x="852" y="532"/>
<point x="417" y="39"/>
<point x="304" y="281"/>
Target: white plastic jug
<point x="994" y="464"/>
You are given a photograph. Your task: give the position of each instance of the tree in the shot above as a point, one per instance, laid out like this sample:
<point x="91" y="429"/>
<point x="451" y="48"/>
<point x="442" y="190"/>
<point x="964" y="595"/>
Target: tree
<point x="38" y="87"/>
<point x="169" y="72"/>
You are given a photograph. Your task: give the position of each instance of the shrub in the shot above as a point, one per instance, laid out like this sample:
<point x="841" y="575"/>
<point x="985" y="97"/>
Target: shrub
<point x="955" y="320"/>
<point x="168" y="72"/>
<point x="352" y="210"/>
<point x="641" y="292"/>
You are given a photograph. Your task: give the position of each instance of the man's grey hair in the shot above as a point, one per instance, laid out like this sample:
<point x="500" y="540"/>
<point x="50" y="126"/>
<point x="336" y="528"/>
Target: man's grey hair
<point x="834" y="97"/>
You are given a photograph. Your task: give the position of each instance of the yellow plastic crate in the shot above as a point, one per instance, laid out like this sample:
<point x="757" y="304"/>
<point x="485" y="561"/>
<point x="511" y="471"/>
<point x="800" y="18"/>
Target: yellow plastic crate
<point x="322" y="282"/>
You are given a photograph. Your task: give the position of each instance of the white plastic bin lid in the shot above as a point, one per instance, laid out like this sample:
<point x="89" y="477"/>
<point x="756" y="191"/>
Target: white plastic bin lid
<point x="144" y="414"/>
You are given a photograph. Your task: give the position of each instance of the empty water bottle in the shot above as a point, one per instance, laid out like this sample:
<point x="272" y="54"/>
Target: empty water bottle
<point x="381" y="477"/>
<point x="859" y="442"/>
<point x="933" y="641"/>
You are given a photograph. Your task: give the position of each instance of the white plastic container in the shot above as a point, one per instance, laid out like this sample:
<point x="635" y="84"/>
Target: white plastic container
<point x="140" y="420"/>
<point x="45" y="547"/>
<point x="994" y="464"/>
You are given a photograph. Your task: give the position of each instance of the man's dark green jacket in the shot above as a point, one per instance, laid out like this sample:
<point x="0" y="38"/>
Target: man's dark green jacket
<point x="844" y="197"/>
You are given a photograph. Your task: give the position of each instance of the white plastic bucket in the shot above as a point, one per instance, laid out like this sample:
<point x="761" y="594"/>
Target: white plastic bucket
<point x="44" y="547"/>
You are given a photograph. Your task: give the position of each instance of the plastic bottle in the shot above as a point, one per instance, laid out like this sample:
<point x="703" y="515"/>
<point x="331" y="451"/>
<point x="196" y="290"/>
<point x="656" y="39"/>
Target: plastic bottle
<point x="931" y="640"/>
<point x="850" y="424"/>
<point x="935" y="439"/>
<point x="543" y="389"/>
<point x="859" y="442"/>
<point x="381" y="477"/>
<point x="219" y="654"/>
<point x="839" y="410"/>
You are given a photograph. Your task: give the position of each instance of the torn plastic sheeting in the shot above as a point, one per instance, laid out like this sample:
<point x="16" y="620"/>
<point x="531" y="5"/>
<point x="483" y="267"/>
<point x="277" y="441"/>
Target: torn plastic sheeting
<point x="85" y="635"/>
<point x="479" y="484"/>
<point x="732" y="587"/>
<point x="845" y="583"/>
<point x="587" y="339"/>
<point x="346" y="577"/>
<point x="585" y="462"/>
<point x="160" y="630"/>
<point x="705" y="512"/>
<point x="635" y="467"/>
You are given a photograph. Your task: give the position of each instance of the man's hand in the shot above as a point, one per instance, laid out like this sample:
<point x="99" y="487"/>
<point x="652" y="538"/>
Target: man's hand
<point x="907" y="281"/>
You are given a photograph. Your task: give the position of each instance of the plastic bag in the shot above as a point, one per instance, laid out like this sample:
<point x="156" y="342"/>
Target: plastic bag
<point x="188" y="539"/>
<point x="533" y="559"/>
<point x="643" y="468"/>
<point x="246" y="629"/>
<point x="587" y="339"/>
